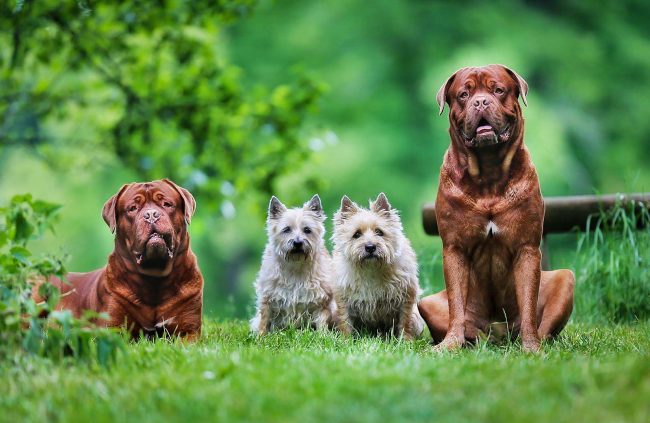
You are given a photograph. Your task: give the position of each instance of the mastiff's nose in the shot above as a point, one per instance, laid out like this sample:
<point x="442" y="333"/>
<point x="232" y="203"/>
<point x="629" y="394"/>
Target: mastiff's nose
<point x="370" y="248"/>
<point x="151" y="215"/>
<point x="481" y="101"/>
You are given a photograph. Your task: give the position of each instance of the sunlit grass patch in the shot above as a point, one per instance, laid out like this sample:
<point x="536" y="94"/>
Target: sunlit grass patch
<point x="591" y="373"/>
<point x="613" y="267"/>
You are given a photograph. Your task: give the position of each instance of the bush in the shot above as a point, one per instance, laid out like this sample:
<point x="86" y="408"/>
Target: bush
<point x="27" y="327"/>
<point x="613" y="267"/>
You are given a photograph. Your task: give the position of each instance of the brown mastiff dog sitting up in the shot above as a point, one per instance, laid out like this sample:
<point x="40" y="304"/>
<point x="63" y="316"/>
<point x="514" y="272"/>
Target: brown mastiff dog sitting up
<point x="152" y="284"/>
<point x="490" y="214"/>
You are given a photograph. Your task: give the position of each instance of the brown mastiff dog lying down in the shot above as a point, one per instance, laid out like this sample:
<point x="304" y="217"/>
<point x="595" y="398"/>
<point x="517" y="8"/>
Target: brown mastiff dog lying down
<point x="490" y="214"/>
<point x="152" y="283"/>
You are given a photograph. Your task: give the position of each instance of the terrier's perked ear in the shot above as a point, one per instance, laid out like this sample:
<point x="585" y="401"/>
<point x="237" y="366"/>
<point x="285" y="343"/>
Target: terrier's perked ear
<point x="381" y="204"/>
<point x="276" y="208"/>
<point x="314" y="205"/>
<point x="348" y="207"/>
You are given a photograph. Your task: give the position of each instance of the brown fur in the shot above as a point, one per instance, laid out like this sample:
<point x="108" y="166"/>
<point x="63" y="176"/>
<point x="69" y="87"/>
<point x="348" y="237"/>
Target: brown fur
<point x="490" y="214"/>
<point x="160" y="295"/>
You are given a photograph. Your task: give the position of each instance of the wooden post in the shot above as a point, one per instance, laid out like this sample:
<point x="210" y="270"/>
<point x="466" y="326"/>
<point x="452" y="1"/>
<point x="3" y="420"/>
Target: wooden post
<point x="562" y="214"/>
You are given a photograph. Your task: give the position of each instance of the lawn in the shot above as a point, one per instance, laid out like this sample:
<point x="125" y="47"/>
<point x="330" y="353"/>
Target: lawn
<point x="591" y="373"/>
<point x="596" y="371"/>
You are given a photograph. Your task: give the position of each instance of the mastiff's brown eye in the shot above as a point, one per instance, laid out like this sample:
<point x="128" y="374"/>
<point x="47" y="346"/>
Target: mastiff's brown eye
<point x="167" y="204"/>
<point x="132" y="208"/>
<point x="356" y="235"/>
<point x="463" y="95"/>
<point x="499" y="91"/>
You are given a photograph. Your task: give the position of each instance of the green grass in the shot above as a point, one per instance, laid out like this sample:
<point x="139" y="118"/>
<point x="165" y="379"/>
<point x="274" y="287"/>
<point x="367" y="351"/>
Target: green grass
<point x="592" y="373"/>
<point x="613" y="267"/>
<point x="597" y="371"/>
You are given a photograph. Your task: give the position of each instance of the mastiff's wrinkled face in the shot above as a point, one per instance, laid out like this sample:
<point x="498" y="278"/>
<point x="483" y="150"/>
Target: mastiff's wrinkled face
<point x="484" y="107"/>
<point x="150" y="220"/>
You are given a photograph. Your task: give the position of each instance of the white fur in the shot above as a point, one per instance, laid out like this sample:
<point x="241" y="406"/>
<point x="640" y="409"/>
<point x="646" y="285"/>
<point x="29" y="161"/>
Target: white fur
<point x="294" y="291"/>
<point x="375" y="292"/>
<point x="491" y="229"/>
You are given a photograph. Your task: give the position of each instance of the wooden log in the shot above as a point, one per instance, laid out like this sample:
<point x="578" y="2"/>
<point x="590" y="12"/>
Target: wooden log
<point x="562" y="214"/>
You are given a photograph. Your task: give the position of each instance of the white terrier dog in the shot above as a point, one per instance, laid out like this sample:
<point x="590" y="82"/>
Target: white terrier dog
<point x="376" y="271"/>
<point x="293" y="286"/>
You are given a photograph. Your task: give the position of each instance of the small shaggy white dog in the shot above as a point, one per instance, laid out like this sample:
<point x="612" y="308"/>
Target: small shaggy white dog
<point x="293" y="286"/>
<point x="376" y="271"/>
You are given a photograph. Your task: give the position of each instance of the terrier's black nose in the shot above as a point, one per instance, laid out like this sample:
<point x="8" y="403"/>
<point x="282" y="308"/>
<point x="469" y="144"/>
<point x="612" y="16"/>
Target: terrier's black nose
<point x="371" y="248"/>
<point x="297" y="243"/>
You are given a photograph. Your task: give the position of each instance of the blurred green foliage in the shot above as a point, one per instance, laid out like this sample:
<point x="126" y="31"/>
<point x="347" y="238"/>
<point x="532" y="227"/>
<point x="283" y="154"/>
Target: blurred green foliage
<point x="151" y="83"/>
<point x="219" y="97"/>
<point x="36" y="328"/>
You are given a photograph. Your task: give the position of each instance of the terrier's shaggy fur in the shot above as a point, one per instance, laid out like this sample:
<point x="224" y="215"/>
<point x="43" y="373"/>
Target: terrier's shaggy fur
<point x="376" y="271"/>
<point x="293" y="286"/>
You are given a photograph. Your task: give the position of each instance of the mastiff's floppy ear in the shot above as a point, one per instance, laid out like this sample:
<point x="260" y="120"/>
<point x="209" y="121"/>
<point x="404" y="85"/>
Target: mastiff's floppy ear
<point x="441" y="97"/>
<point x="521" y="83"/>
<point x="189" y="203"/>
<point x="109" y="212"/>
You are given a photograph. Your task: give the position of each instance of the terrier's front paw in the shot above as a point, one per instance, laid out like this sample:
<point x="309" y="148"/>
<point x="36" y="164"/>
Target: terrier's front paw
<point x="344" y="328"/>
<point x="399" y="332"/>
<point x="407" y="336"/>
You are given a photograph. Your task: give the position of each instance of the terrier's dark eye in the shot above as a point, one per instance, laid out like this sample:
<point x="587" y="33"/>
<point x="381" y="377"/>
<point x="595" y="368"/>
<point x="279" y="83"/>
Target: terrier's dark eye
<point x="132" y="207"/>
<point x="286" y="230"/>
<point x="307" y="230"/>
<point x="356" y="235"/>
<point x="379" y="232"/>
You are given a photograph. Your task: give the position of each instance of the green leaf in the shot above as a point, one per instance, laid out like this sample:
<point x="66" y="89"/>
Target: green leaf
<point x="105" y="351"/>
<point x="34" y="337"/>
<point x="45" y="208"/>
<point x="24" y="228"/>
<point x="21" y="254"/>
<point x="53" y="298"/>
